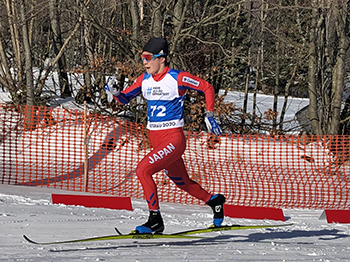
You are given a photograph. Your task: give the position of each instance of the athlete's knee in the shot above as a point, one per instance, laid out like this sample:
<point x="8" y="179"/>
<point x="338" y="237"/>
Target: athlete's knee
<point x="144" y="170"/>
<point x="140" y="171"/>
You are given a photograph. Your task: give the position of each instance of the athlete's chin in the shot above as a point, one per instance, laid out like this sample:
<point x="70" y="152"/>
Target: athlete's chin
<point x="150" y="71"/>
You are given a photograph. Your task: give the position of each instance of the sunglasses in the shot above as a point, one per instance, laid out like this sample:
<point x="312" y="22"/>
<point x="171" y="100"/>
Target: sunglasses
<point x="149" y="58"/>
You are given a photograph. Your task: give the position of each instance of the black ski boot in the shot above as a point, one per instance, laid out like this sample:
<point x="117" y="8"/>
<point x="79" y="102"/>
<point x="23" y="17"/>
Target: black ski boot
<point x="216" y="203"/>
<point x="153" y="225"/>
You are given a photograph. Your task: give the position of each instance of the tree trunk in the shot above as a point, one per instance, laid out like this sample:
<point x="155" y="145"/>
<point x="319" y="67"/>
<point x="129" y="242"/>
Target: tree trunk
<point x="338" y="74"/>
<point x="30" y="119"/>
<point x="5" y="73"/>
<point x="248" y="66"/>
<point x="135" y="23"/>
<point x="15" y="40"/>
<point x="157" y="18"/>
<point x="313" y="110"/>
<point x="57" y="45"/>
<point x="27" y="56"/>
<point x="329" y="42"/>
<point x="286" y="94"/>
<point x="277" y="75"/>
<point x="180" y="10"/>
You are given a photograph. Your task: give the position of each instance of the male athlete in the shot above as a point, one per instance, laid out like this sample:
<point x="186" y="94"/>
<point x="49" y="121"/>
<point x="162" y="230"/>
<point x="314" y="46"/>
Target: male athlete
<point x="165" y="89"/>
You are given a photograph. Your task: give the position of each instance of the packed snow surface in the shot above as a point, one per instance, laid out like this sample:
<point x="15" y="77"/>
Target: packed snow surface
<point x="29" y="211"/>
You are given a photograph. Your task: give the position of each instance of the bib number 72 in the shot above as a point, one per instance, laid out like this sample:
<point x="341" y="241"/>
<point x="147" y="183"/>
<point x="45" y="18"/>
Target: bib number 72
<point x="161" y="110"/>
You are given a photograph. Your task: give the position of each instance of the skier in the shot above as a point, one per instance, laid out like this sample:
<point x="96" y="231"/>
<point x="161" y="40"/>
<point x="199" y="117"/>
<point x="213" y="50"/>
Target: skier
<point x="165" y="89"/>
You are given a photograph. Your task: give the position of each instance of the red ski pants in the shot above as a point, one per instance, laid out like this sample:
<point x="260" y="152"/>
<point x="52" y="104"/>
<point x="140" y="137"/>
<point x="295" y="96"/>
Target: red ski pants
<point x="168" y="147"/>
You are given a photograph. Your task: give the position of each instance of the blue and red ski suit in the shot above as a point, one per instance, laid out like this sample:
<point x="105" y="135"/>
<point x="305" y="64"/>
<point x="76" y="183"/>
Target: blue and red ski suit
<point x="165" y="95"/>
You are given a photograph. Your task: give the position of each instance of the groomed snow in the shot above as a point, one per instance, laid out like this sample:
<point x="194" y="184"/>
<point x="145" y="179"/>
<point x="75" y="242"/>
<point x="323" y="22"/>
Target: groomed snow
<point x="29" y="211"/>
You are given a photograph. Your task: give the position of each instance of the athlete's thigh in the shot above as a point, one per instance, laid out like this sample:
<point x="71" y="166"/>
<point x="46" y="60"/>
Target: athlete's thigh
<point x="167" y="151"/>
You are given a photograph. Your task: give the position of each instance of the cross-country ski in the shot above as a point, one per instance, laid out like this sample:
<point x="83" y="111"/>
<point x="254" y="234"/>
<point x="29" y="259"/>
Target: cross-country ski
<point x="188" y="234"/>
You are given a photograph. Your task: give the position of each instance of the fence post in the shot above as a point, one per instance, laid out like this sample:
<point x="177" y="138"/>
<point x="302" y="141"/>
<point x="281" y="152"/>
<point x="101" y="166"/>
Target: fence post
<point x="85" y="151"/>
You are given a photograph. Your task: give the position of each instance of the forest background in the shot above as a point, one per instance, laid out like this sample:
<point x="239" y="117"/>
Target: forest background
<point x="284" y="48"/>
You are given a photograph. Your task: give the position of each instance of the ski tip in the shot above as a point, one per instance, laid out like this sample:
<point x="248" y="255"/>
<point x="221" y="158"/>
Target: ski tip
<point x="117" y="230"/>
<point x="29" y="240"/>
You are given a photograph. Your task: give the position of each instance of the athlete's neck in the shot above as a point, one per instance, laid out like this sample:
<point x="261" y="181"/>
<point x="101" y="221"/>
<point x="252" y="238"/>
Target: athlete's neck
<point x="159" y="76"/>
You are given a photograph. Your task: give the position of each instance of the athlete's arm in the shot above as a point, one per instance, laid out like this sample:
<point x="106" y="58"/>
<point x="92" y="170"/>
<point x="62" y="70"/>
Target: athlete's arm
<point x="188" y="81"/>
<point x="130" y="92"/>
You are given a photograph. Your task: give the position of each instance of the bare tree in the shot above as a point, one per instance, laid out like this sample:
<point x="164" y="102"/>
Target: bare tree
<point x="57" y="45"/>
<point x="341" y="11"/>
<point x="14" y="82"/>
<point x="135" y="12"/>
<point x="157" y="18"/>
<point x="28" y="56"/>
<point x="329" y="42"/>
<point x="230" y="43"/>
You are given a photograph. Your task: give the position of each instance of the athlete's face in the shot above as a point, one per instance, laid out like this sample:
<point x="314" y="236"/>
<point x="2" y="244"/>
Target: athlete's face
<point x="154" y="66"/>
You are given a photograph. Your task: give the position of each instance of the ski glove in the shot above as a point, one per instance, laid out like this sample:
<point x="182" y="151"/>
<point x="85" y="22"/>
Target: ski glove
<point x="211" y="123"/>
<point x="111" y="89"/>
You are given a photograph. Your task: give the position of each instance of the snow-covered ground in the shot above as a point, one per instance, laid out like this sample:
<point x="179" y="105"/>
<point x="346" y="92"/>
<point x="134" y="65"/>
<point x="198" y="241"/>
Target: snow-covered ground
<point x="29" y="211"/>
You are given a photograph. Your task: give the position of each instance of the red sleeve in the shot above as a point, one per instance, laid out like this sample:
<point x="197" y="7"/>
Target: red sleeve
<point x="186" y="80"/>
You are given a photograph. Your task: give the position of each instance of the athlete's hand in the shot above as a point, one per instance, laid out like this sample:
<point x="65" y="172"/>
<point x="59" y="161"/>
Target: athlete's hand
<point x="111" y="89"/>
<point x="211" y="123"/>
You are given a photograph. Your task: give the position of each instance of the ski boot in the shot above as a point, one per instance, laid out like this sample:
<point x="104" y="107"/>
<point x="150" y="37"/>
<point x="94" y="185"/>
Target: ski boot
<point x="153" y="225"/>
<point x="216" y="203"/>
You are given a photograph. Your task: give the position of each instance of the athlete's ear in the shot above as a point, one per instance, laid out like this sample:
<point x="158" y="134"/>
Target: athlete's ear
<point x="162" y="59"/>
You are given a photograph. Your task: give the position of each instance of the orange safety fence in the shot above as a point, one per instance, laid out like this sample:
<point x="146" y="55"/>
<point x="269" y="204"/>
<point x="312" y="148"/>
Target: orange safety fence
<point x="70" y="150"/>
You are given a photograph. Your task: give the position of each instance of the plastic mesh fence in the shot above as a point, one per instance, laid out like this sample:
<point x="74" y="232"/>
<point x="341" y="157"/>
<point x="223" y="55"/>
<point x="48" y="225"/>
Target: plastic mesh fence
<point x="65" y="149"/>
